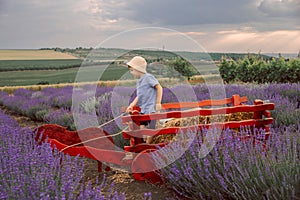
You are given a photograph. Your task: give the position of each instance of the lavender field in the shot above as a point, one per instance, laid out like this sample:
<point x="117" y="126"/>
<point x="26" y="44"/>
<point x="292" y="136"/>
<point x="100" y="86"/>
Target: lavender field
<point x="32" y="171"/>
<point x="233" y="170"/>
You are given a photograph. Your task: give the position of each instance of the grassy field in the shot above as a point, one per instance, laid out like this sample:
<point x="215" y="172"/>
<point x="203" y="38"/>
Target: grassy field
<point x="18" y="65"/>
<point x="32" y="77"/>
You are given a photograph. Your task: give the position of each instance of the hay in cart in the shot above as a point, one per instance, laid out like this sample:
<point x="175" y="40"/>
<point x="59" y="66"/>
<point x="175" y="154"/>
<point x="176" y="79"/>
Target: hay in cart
<point x="192" y="121"/>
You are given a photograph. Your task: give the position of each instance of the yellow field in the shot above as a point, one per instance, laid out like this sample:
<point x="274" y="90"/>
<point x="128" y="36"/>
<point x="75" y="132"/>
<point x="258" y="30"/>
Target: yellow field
<point x="33" y="55"/>
<point x="11" y="89"/>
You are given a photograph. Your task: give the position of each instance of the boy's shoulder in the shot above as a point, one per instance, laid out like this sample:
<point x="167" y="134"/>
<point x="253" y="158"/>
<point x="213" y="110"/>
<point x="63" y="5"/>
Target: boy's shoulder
<point x="148" y="78"/>
<point x="147" y="75"/>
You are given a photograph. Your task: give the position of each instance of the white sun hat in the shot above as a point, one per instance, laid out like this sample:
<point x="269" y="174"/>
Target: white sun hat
<point x="138" y="63"/>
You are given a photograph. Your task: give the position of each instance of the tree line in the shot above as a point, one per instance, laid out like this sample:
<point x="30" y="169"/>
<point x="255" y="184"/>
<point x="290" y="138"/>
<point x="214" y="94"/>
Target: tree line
<point x="256" y="69"/>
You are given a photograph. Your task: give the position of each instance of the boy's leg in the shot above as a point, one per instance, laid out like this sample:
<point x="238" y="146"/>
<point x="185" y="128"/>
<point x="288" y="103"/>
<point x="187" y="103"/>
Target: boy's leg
<point x="149" y="139"/>
<point x="129" y="155"/>
<point x="142" y="126"/>
<point x="151" y="125"/>
<point x="144" y="136"/>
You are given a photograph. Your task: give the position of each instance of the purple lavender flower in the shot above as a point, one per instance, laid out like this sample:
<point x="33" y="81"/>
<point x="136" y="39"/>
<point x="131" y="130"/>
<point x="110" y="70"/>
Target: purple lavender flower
<point x="32" y="171"/>
<point x="236" y="169"/>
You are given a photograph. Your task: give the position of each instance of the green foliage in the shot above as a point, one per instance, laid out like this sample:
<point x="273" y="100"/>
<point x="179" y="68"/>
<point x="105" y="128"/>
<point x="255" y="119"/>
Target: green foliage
<point x="227" y="70"/>
<point x="183" y="67"/>
<point x="248" y="68"/>
<point x="43" y="83"/>
<point x="89" y="105"/>
<point x="41" y="114"/>
<point x="294" y="69"/>
<point x="62" y="118"/>
<point x="256" y="69"/>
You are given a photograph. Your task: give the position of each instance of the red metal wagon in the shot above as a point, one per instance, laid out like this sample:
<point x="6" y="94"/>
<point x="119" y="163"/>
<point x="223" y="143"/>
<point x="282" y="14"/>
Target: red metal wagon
<point x="142" y="165"/>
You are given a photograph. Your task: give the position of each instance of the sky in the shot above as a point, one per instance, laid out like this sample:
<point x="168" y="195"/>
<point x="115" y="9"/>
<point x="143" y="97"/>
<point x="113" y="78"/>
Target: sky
<point x="271" y="26"/>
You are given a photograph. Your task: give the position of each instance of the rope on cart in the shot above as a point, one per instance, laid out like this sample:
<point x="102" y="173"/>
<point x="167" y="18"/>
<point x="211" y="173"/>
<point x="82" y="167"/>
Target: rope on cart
<point x="112" y="120"/>
<point x="97" y="138"/>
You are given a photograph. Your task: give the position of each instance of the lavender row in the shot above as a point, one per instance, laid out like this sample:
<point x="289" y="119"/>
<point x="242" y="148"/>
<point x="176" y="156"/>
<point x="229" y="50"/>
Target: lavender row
<point x="54" y="105"/>
<point x="235" y="169"/>
<point x="32" y="171"/>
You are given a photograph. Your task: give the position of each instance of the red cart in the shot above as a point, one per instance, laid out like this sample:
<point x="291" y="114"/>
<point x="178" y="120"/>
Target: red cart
<point x="142" y="165"/>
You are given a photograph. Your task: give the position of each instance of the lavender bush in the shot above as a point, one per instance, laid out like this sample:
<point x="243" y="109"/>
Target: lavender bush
<point x="236" y="169"/>
<point x="6" y="120"/>
<point x="62" y="117"/>
<point x="2" y="96"/>
<point x="32" y="171"/>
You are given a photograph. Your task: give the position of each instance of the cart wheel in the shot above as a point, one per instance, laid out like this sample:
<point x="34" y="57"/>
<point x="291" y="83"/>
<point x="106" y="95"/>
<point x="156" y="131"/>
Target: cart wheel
<point x="142" y="168"/>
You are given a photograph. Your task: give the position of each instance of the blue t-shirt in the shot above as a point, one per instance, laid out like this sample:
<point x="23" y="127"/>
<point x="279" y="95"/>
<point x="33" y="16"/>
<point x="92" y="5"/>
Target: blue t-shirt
<point x="146" y="93"/>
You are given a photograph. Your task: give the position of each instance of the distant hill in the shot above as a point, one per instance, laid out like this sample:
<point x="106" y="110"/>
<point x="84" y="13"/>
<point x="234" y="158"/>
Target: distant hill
<point x="285" y="55"/>
<point x="150" y="55"/>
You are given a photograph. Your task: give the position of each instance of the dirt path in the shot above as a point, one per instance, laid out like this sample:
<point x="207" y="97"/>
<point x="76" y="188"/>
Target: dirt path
<point x="123" y="181"/>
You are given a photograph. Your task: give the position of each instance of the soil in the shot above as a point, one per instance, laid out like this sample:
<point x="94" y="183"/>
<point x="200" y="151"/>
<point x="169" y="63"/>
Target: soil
<point x="123" y="181"/>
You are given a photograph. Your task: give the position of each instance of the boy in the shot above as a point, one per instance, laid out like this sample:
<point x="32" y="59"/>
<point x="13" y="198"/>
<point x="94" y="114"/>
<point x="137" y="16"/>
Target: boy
<point x="149" y="91"/>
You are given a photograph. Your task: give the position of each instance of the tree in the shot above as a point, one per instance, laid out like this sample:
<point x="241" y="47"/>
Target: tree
<point x="183" y="67"/>
<point x="227" y="70"/>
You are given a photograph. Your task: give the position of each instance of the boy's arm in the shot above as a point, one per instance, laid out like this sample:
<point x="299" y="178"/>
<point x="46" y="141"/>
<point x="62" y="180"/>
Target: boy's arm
<point x="159" y="97"/>
<point x="133" y="103"/>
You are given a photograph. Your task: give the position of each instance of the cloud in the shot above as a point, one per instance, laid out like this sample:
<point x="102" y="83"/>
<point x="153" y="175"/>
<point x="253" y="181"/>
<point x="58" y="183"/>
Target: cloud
<point x="1" y="5"/>
<point x="280" y="8"/>
<point x="228" y="25"/>
<point x="190" y="12"/>
<point x="193" y="13"/>
<point x="69" y="23"/>
<point x="253" y="41"/>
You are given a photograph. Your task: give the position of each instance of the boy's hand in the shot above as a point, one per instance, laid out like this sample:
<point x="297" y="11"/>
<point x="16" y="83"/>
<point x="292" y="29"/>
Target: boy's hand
<point x="129" y="108"/>
<point x="157" y="107"/>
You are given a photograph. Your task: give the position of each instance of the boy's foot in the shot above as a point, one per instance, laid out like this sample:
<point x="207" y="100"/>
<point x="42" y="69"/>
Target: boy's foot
<point x="147" y="139"/>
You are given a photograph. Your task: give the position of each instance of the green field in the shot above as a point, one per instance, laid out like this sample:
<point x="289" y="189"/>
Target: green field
<point x="19" y="65"/>
<point x="32" y="77"/>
